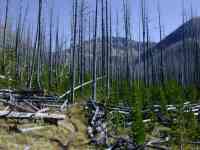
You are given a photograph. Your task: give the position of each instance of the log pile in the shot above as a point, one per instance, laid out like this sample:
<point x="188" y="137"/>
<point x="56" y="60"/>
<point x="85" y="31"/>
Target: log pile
<point x="158" y="112"/>
<point x="97" y="130"/>
<point x="123" y="143"/>
<point x="28" y="104"/>
<point x="99" y="134"/>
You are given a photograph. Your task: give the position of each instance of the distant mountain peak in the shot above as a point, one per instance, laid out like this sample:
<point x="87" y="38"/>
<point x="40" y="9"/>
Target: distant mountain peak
<point x="190" y="29"/>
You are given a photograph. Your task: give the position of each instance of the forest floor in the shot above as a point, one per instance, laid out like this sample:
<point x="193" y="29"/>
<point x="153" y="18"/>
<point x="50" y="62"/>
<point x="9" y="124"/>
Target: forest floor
<point x="69" y="134"/>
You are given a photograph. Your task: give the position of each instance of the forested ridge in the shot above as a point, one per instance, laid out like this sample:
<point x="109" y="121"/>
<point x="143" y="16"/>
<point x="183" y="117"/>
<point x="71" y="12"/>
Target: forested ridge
<point x="99" y="87"/>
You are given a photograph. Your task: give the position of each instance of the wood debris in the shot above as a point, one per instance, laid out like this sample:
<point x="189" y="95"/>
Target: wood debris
<point x="29" y="104"/>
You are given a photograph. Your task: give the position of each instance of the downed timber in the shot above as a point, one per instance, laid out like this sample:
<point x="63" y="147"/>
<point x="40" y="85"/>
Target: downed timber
<point x="23" y="92"/>
<point x="20" y="98"/>
<point x="156" y="144"/>
<point x="78" y="87"/>
<point x="97" y="129"/>
<point x="25" y="115"/>
<point x="17" y="107"/>
<point x="5" y="91"/>
<point x="64" y="105"/>
<point x="32" y="106"/>
<point x="25" y="130"/>
<point x="29" y="92"/>
<point x="195" y="143"/>
<point x="43" y="110"/>
<point x="122" y="143"/>
<point x="51" y="105"/>
<point x="157" y="147"/>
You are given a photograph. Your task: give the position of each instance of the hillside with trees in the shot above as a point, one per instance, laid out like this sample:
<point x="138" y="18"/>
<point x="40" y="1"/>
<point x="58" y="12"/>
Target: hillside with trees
<point x="95" y="78"/>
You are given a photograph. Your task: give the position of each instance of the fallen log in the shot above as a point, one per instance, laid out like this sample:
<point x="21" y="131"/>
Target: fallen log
<point x="123" y="143"/>
<point x="17" y="107"/>
<point x="43" y="110"/>
<point x="25" y="115"/>
<point x="25" y="130"/>
<point x="157" y="147"/>
<point x="156" y="144"/>
<point x="51" y="105"/>
<point x="194" y="143"/>
<point x="78" y="87"/>
<point x="27" y="92"/>
<point x="64" y="105"/>
<point x="31" y="105"/>
<point x="20" y="98"/>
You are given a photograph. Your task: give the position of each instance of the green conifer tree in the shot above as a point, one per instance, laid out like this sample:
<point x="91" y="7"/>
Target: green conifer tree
<point x="138" y="132"/>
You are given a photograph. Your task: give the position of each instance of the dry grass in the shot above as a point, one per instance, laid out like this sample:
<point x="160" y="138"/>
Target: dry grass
<point x="69" y="134"/>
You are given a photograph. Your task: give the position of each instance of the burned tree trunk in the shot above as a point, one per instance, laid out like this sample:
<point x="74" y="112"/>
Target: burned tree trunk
<point x="16" y="48"/>
<point x="75" y="11"/>
<point x="94" y="85"/>
<point x="107" y="54"/>
<point x="102" y="40"/>
<point x="4" y="38"/>
<point x="110" y="56"/>
<point x="50" y="50"/>
<point x="161" y="49"/>
<point x="143" y="36"/>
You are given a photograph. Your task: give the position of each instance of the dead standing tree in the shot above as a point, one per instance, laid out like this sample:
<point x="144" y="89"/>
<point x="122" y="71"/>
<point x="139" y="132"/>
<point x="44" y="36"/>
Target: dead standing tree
<point x="110" y="65"/>
<point x="147" y="50"/>
<point x="75" y="11"/>
<point x="39" y="42"/>
<point x="143" y="38"/>
<point x="50" y="49"/>
<point x="36" y="51"/>
<point x="184" y="73"/>
<point x="161" y="49"/>
<point x="81" y="43"/>
<point x="16" y="47"/>
<point x="107" y="54"/>
<point x="94" y="77"/>
<point x="4" y="37"/>
<point x="102" y="40"/>
<point x="127" y="37"/>
<point x="56" y="56"/>
<point x="22" y="51"/>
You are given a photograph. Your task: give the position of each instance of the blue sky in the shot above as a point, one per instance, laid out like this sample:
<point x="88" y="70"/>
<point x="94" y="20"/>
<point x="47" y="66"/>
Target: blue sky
<point x="170" y="12"/>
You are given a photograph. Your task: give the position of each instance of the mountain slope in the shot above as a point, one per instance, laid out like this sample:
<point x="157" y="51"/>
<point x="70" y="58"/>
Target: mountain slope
<point x="190" y="29"/>
<point x="180" y="54"/>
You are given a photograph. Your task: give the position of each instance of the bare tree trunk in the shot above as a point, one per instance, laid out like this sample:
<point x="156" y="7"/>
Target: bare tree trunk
<point x="127" y="39"/>
<point x="110" y="56"/>
<point x="103" y="40"/>
<point x="57" y="58"/>
<point x="74" y="50"/>
<point x="107" y="54"/>
<point x="90" y="70"/>
<point x="39" y="44"/>
<point x="16" y="48"/>
<point x="94" y="77"/>
<point x="50" y="50"/>
<point x="32" y="69"/>
<point x="147" y="52"/>
<point x="117" y="61"/>
<point x="183" y="47"/>
<point x="4" y="38"/>
<point x="144" y="35"/>
<point x="161" y="49"/>
<point x="81" y="44"/>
